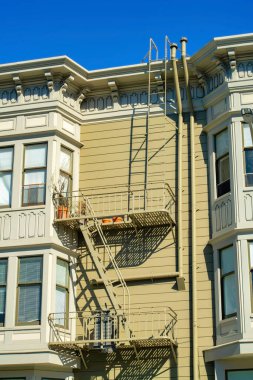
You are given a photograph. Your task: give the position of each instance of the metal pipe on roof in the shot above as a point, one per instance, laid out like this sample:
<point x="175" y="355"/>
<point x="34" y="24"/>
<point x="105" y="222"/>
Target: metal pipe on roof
<point x="180" y="280"/>
<point x="193" y="214"/>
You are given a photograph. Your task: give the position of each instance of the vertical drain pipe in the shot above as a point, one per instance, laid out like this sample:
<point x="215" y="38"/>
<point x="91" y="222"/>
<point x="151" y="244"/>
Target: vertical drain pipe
<point x="180" y="279"/>
<point x="193" y="216"/>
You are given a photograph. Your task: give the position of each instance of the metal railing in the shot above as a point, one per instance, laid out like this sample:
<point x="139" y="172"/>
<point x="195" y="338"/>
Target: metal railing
<point x="109" y="203"/>
<point x="103" y="328"/>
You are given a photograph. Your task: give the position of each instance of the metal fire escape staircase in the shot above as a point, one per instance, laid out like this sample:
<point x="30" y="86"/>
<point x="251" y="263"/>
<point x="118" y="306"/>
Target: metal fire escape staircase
<point x="89" y="228"/>
<point x="150" y="328"/>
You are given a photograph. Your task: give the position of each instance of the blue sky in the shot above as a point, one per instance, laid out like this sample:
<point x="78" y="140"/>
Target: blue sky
<point x="100" y="34"/>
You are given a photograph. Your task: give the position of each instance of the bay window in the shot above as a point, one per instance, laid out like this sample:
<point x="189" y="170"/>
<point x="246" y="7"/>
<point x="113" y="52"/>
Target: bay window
<point x="222" y="163"/>
<point x="66" y="168"/>
<point x="3" y="283"/>
<point x="248" y="154"/>
<point x="34" y="175"/>
<point x="251" y="270"/>
<point x="29" y="290"/>
<point x="228" y="282"/>
<point x="62" y="292"/>
<point x="6" y="168"/>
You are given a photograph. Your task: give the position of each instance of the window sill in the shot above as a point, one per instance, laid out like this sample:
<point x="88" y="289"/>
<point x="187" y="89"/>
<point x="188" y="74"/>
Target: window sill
<point x="17" y="328"/>
<point x="228" y="320"/>
<point x="223" y="196"/>
<point x="22" y="208"/>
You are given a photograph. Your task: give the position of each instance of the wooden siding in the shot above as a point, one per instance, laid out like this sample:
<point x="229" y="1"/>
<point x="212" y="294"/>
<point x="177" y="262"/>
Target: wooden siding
<point x="104" y="165"/>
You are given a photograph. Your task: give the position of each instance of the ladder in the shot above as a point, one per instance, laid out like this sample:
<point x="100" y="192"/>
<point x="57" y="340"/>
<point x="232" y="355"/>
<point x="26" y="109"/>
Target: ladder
<point x="141" y="155"/>
<point x="90" y="227"/>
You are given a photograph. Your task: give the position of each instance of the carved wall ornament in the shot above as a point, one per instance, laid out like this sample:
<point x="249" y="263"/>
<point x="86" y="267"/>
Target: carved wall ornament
<point x="66" y="83"/>
<point x="115" y="91"/>
<point x="18" y="84"/>
<point x="127" y="100"/>
<point x="232" y="60"/>
<point x="223" y="69"/>
<point x="203" y="81"/>
<point x="50" y="81"/>
<point x="82" y="94"/>
<point x="245" y="69"/>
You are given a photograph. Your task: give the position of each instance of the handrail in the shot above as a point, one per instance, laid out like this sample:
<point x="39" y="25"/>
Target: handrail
<point x="112" y="259"/>
<point x="87" y="326"/>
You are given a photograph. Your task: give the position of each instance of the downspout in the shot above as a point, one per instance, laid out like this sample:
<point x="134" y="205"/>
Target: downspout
<point x="193" y="216"/>
<point x="180" y="278"/>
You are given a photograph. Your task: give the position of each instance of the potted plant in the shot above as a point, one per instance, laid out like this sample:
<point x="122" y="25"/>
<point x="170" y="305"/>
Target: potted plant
<point x="60" y="200"/>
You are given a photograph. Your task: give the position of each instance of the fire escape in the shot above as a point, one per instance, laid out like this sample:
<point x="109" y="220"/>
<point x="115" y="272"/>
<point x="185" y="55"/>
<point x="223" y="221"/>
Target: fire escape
<point x="137" y="207"/>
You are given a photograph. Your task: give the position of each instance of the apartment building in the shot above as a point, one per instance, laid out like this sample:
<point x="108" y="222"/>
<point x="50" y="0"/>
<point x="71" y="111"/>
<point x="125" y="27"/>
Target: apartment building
<point x="126" y="217"/>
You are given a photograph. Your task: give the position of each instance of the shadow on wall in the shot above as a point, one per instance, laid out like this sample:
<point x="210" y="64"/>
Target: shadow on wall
<point x="85" y="299"/>
<point x="133" y="248"/>
<point x="67" y="236"/>
<point x="124" y="365"/>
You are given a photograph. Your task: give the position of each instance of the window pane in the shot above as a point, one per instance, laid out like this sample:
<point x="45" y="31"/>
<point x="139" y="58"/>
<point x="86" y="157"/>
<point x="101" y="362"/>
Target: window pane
<point x="240" y="375"/>
<point x="6" y="157"/>
<point x="222" y="143"/>
<point x="34" y="187"/>
<point x="2" y="304"/>
<point x="227" y="260"/>
<point x="66" y="160"/>
<point x="35" y="156"/>
<point x="61" y="298"/>
<point x="3" y="272"/>
<point x="247" y="136"/>
<point x="65" y="183"/>
<point x="30" y="269"/>
<point x="35" y="177"/>
<point x="61" y="305"/>
<point x="29" y="303"/>
<point x="249" y="160"/>
<point x="223" y="169"/>
<point x="5" y="189"/>
<point x="229" y="295"/>
<point x="251" y="254"/>
<point x="62" y="273"/>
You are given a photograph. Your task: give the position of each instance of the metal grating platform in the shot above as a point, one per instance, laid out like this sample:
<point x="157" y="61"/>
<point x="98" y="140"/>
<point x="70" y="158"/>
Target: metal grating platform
<point x="139" y="219"/>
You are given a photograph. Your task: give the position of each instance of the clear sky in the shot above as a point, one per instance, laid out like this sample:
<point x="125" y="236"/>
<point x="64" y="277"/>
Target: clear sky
<point x="99" y="34"/>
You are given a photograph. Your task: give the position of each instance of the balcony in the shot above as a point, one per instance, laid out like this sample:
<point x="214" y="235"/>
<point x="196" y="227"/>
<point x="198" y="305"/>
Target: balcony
<point x="104" y="330"/>
<point x="118" y="209"/>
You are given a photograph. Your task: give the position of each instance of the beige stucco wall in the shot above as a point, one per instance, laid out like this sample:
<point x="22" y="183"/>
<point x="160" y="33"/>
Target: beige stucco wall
<point x="104" y="162"/>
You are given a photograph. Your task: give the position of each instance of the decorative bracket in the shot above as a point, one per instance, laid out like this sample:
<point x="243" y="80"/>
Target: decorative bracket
<point x="232" y="60"/>
<point x="221" y="65"/>
<point x="50" y="82"/>
<point x="115" y="91"/>
<point x="18" y="84"/>
<point x="66" y="83"/>
<point x="203" y="81"/>
<point x="159" y="82"/>
<point x="82" y="94"/>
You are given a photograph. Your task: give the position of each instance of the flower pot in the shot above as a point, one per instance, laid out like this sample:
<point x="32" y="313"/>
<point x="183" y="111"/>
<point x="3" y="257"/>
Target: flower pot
<point x="106" y="221"/>
<point x="62" y="212"/>
<point x="117" y="219"/>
